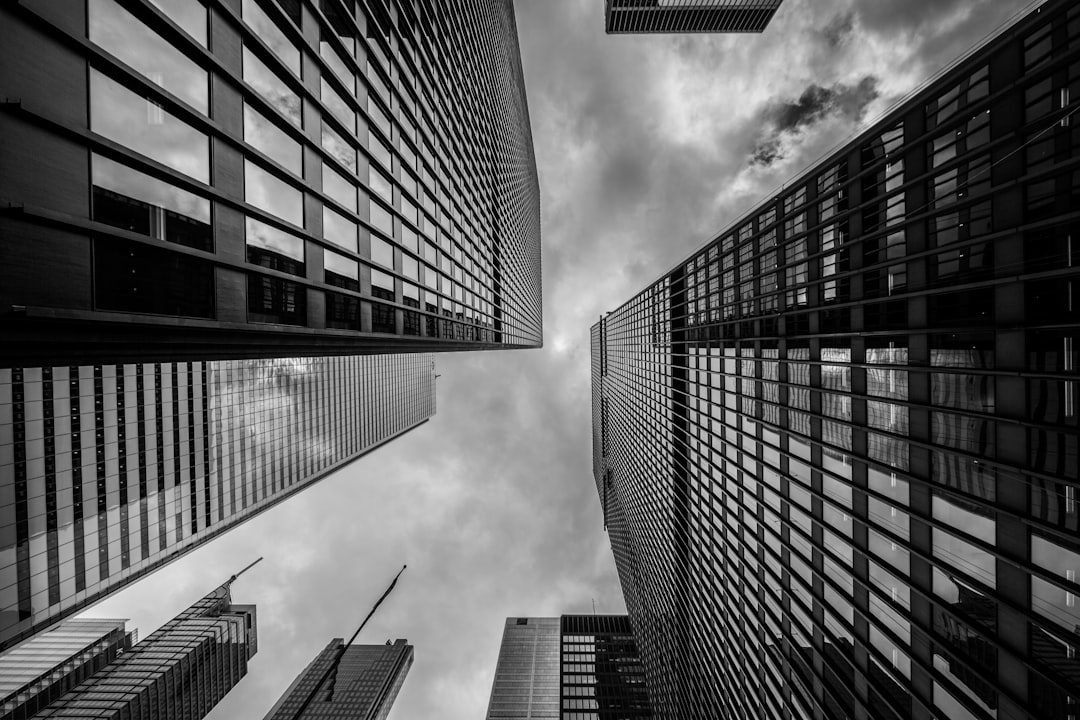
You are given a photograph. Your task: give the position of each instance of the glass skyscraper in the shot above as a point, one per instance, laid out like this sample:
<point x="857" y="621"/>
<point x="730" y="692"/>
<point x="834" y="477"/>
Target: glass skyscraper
<point x="181" y="670"/>
<point x="836" y="447"/>
<point x="41" y="669"/>
<point x="688" y="16"/>
<point x="361" y="686"/>
<point x="574" y="667"/>
<point x="264" y="178"/>
<point x="109" y="471"/>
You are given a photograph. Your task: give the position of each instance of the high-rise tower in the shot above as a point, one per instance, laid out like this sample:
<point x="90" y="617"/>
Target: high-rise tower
<point x="183" y="669"/>
<point x="255" y="178"/>
<point x="836" y="448"/>
<point x="688" y="16"/>
<point x="110" y="471"/>
<point x="574" y="667"/>
<point x="359" y="682"/>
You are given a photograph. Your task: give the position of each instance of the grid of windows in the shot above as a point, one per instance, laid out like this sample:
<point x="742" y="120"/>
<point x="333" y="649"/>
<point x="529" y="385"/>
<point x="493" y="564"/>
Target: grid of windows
<point x="118" y="468"/>
<point x="837" y="448"/>
<point x="364" y="685"/>
<point x="526" y="685"/>
<point x="223" y="174"/>
<point x="688" y="16"/>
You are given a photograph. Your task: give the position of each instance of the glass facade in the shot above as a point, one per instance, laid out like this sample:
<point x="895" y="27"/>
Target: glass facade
<point x="688" y="16"/>
<point x="364" y="684"/>
<point x="226" y="151"/>
<point x="837" y="448"/>
<point x="36" y="672"/>
<point x="183" y="669"/>
<point x="577" y="667"/>
<point x="109" y="471"/>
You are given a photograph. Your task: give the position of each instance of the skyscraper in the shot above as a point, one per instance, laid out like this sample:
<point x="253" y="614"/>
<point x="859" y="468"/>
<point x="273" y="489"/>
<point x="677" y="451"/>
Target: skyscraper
<point x="107" y="472"/>
<point x="836" y="447"/>
<point x="41" y="669"/>
<point x="688" y="16"/>
<point x="181" y="670"/>
<point x="575" y="667"/>
<point x="264" y="178"/>
<point x="362" y="686"/>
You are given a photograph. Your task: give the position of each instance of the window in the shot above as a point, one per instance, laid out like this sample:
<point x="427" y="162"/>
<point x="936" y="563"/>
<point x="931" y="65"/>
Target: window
<point x="381" y="218"/>
<point x="275" y="300"/>
<point x="273" y="195"/>
<point x="189" y="15"/>
<point x="380" y="184"/>
<point x="338" y="148"/>
<point x="271" y="140"/>
<point x="126" y="37"/>
<point x="338" y="187"/>
<point x="339" y="229"/>
<point x="271" y="87"/>
<point x="382" y="284"/>
<point x="269" y="32"/>
<point x="144" y="126"/>
<point x="134" y="201"/>
<point x="133" y="277"/>
<point x="341" y="271"/>
<point x="276" y="249"/>
<point x="379" y="151"/>
<point x="382" y="252"/>
<point x="337" y="106"/>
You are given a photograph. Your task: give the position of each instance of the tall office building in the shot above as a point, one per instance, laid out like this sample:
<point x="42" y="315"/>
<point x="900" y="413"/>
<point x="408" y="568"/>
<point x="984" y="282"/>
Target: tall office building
<point x="264" y="178"/>
<point x="361" y="685"/>
<point x="837" y="447"/>
<point x="574" y="667"/>
<point x="107" y="472"/>
<point x="181" y="670"/>
<point x="41" y="669"/>
<point x="688" y="16"/>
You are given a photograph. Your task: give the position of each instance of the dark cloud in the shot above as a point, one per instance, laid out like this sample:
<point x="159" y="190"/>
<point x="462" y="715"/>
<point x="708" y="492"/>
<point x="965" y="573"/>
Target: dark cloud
<point x="815" y="104"/>
<point x="839" y="29"/>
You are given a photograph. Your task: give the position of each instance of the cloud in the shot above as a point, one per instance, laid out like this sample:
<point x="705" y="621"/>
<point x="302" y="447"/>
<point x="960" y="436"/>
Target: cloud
<point x="786" y="119"/>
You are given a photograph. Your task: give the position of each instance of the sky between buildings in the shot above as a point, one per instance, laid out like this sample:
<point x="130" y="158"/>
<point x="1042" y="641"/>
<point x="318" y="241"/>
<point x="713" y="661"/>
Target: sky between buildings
<point x="646" y="146"/>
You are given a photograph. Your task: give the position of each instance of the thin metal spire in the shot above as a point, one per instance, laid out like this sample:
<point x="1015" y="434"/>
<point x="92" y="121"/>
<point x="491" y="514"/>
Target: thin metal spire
<point x="231" y="580"/>
<point x="341" y="651"/>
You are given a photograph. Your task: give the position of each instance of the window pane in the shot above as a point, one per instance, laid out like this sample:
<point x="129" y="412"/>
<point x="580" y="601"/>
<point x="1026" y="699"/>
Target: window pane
<point x="269" y="247"/>
<point x="144" y="126"/>
<point x="125" y="36"/>
<point x="271" y="87"/>
<point x="134" y="277"/>
<point x="190" y="15"/>
<point x="338" y="147"/>
<point x="276" y="300"/>
<point x="135" y="201"/>
<point x="271" y="34"/>
<point x="337" y="106"/>
<point x="340" y="265"/>
<point x="382" y="252"/>
<point x="382" y="284"/>
<point x="380" y="184"/>
<point x="381" y="219"/>
<point x="339" y="230"/>
<point x="379" y="150"/>
<point x="330" y="55"/>
<point x="336" y="186"/>
<point x="264" y="135"/>
<point x="275" y="196"/>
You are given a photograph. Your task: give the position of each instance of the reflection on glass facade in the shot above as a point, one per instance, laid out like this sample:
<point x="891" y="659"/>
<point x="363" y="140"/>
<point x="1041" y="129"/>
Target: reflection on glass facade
<point x="395" y="134"/>
<point x="181" y="670"/>
<point x="688" y="16"/>
<point x="577" y="667"/>
<point x="109" y="471"/>
<point x="836" y="449"/>
<point x="41" y="669"/>
<point x="364" y="684"/>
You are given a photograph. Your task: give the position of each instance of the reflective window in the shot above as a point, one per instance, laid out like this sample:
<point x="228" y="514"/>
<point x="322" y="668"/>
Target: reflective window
<point x="264" y="135"/>
<point x="337" y="65"/>
<point x="267" y="192"/>
<point x="144" y="126"/>
<point x="336" y="186"/>
<point x="338" y="147"/>
<point x="272" y="88"/>
<point x="382" y="284"/>
<point x="268" y="31"/>
<point x="379" y="151"/>
<point x="135" y="277"/>
<point x="337" y="106"/>
<point x="1050" y="600"/>
<point x="339" y="229"/>
<point x="273" y="248"/>
<point x="965" y="557"/>
<point x="126" y="37"/>
<point x="190" y="15"/>
<point x="410" y="268"/>
<point x="132" y="200"/>
<point x="382" y="252"/>
<point x="276" y="300"/>
<point x="341" y="271"/>
<point x="378" y="182"/>
<point x="381" y="218"/>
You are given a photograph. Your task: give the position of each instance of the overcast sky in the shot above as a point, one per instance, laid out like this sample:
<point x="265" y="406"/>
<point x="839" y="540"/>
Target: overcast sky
<point x="646" y="147"/>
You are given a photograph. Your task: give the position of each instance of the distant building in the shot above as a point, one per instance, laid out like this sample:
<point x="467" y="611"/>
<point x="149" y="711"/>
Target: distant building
<point x="254" y="178"/>
<point x="576" y="667"/>
<point x="688" y="16"/>
<point x="837" y="446"/>
<point x="111" y="471"/>
<point x="181" y="670"/>
<point x="40" y="670"/>
<point x="362" y="685"/>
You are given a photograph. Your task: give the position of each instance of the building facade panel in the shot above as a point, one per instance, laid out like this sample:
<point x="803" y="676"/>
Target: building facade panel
<point x="688" y="16"/>
<point x="109" y="471"/>
<point x="837" y="446"/>
<point x="264" y="179"/>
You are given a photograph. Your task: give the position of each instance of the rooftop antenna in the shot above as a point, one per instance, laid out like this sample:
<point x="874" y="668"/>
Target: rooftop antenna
<point x="231" y="580"/>
<point x="341" y="651"/>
